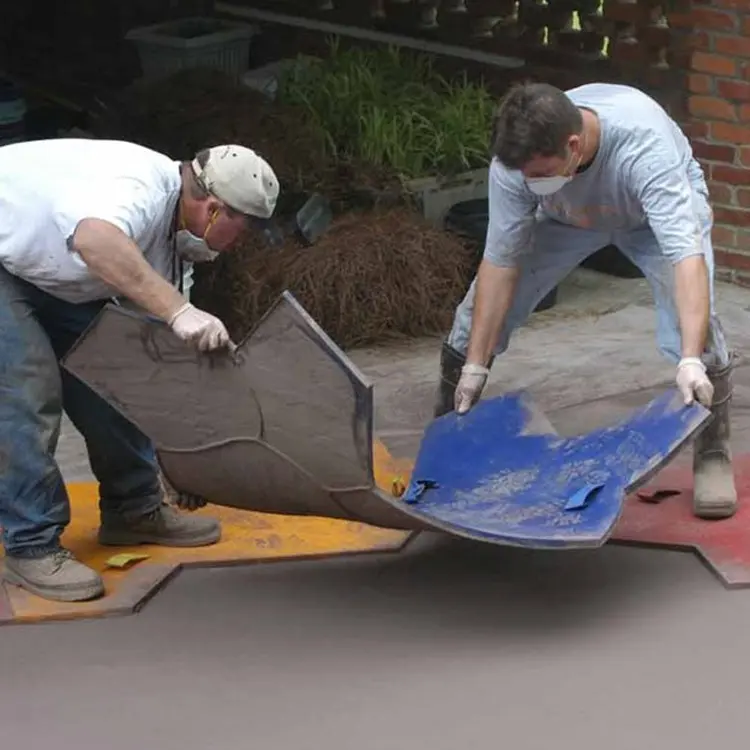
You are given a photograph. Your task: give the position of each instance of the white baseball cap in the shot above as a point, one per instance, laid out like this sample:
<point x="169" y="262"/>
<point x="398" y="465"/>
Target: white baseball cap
<point x="240" y="178"/>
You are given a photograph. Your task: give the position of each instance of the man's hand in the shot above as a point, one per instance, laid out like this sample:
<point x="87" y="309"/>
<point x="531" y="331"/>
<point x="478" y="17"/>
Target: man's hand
<point x="693" y="382"/>
<point x="197" y="327"/>
<point x="470" y="386"/>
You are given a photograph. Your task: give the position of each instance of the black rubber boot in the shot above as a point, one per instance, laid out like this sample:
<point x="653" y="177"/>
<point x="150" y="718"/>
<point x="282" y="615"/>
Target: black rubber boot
<point x="451" y="362"/>
<point x="714" y="491"/>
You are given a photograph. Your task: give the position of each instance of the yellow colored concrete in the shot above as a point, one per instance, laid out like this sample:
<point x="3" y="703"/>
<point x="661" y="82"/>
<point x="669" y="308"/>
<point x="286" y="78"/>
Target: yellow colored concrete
<point x="247" y="537"/>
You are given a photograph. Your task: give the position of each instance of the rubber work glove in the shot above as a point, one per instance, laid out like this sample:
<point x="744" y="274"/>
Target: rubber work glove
<point x="693" y="382"/>
<point x="470" y="386"/>
<point x="200" y="328"/>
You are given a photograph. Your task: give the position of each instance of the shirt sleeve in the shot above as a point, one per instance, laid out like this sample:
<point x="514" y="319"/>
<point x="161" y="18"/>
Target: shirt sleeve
<point x="512" y="207"/>
<point x="663" y="188"/>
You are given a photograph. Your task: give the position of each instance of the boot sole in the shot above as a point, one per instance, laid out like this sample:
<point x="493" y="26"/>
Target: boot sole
<point x="127" y="539"/>
<point x="55" y="593"/>
<point x="715" y="513"/>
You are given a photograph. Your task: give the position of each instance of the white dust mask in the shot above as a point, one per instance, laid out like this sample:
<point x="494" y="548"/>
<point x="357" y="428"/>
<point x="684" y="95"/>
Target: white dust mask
<point x="547" y="185"/>
<point x="193" y="249"/>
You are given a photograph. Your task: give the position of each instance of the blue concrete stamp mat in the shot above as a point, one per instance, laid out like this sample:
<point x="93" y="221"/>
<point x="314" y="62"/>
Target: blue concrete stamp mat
<point x="481" y="476"/>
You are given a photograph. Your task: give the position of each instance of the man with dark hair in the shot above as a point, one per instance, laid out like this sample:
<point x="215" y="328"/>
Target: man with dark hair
<point x="82" y="222"/>
<point x="573" y="172"/>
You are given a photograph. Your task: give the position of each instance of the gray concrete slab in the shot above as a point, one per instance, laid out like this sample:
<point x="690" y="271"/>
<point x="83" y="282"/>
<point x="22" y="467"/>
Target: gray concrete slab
<point x="449" y="645"/>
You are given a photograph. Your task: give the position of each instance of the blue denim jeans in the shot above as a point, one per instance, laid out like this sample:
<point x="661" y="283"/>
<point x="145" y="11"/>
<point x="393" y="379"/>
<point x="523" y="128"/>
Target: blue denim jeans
<point x="36" y="330"/>
<point x="559" y="249"/>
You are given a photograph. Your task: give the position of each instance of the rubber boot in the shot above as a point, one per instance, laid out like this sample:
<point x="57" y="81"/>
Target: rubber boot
<point x="715" y="494"/>
<point x="451" y="362"/>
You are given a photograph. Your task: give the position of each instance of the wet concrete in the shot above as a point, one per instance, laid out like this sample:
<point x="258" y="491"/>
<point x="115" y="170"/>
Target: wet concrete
<point x="449" y="645"/>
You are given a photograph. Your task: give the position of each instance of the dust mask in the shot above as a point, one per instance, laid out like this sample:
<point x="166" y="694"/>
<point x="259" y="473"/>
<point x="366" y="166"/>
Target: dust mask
<point x="547" y="185"/>
<point x="194" y="249"/>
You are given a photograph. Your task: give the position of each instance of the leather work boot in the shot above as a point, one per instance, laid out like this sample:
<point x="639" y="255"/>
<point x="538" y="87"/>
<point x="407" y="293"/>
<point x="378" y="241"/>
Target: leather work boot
<point x="165" y="526"/>
<point x="451" y="362"/>
<point x="715" y="494"/>
<point x="57" y="576"/>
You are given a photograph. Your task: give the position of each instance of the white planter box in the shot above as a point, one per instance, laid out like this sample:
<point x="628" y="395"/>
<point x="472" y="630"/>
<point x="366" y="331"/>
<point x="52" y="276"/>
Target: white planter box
<point x="436" y="195"/>
<point x="196" y="42"/>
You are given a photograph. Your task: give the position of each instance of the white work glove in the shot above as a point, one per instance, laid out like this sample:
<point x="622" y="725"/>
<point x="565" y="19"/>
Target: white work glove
<point x="693" y="381"/>
<point x="470" y="386"/>
<point x="199" y="328"/>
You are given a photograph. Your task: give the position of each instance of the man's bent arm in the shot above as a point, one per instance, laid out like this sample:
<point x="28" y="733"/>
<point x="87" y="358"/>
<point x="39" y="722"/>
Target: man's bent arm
<point x="119" y="262"/>
<point x="693" y="306"/>
<point x="509" y="236"/>
<point x="495" y="290"/>
<point x="672" y="211"/>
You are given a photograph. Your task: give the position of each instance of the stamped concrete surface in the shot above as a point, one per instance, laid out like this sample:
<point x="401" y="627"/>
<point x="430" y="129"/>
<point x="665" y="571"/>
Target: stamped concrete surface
<point x="448" y="645"/>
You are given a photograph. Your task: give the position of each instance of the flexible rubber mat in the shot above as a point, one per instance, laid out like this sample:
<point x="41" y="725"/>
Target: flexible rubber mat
<point x="285" y="426"/>
<point x="481" y="470"/>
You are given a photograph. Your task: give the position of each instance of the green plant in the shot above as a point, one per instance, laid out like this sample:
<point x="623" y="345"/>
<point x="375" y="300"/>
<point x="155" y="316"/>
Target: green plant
<point x="391" y="109"/>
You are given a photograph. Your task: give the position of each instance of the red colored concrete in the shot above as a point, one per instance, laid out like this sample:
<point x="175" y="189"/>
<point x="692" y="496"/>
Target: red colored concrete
<point x="669" y="522"/>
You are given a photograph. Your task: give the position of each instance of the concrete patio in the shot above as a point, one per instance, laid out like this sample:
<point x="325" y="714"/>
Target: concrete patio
<point x="446" y="645"/>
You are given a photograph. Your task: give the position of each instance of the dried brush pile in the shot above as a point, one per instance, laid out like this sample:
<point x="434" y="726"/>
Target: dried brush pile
<point x="373" y="276"/>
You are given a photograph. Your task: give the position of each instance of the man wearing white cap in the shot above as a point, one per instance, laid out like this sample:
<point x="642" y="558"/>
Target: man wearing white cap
<point x="82" y="222"/>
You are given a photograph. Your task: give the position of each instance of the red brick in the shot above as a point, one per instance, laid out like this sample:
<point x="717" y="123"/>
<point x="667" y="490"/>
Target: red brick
<point x="729" y="4"/>
<point x="736" y="46"/>
<point x="743" y="240"/>
<point x="727" y="132"/>
<point x="744" y="112"/>
<point x="698" y="40"/>
<point x="736" y="90"/>
<point x="698" y="83"/>
<point x="714" y="152"/>
<point x="695" y="129"/>
<point x="737" y="217"/>
<point x="732" y="260"/>
<point x="743" y="197"/>
<point x="746" y="27"/>
<point x="715" y="20"/>
<point x="720" y="193"/>
<point x="711" y="107"/>
<point x="724" y="236"/>
<point x="745" y="156"/>
<point x="730" y="175"/>
<point x="717" y="65"/>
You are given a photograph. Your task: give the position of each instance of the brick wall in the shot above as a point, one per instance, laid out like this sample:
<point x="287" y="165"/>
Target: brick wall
<point x="719" y="109"/>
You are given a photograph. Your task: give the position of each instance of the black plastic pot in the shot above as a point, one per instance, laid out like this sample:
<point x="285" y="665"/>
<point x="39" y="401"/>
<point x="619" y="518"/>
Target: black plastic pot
<point x="470" y="219"/>
<point x="611" y="261"/>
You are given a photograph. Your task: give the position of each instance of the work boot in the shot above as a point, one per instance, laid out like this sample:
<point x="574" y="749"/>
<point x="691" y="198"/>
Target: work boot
<point x="451" y="362"/>
<point x="57" y="576"/>
<point x="165" y="526"/>
<point x="714" y="493"/>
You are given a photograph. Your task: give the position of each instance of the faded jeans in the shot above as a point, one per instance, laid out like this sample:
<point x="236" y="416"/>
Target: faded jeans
<point x="560" y="248"/>
<point x="36" y="330"/>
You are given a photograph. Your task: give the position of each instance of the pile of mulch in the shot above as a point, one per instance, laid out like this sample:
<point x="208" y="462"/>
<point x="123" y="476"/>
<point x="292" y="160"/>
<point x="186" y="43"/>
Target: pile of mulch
<point x="197" y="108"/>
<point x="373" y="276"/>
